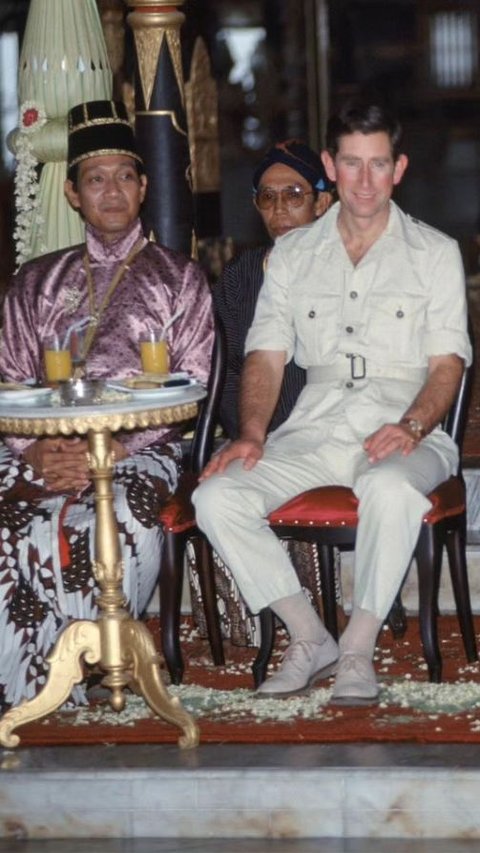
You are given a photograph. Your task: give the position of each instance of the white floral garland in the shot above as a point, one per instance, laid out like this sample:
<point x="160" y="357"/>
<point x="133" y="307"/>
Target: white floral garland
<point x="32" y="117"/>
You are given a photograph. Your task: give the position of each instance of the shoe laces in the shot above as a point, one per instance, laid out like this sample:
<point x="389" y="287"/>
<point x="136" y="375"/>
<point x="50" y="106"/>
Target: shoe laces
<point x="352" y="662"/>
<point x="297" y="654"/>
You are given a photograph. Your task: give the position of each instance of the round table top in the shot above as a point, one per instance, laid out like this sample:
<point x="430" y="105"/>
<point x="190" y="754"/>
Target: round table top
<point x="37" y="418"/>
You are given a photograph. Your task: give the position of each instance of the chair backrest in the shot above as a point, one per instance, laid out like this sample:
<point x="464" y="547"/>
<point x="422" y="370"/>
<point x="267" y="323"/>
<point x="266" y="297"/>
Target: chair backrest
<point x="204" y="434"/>
<point x="455" y="422"/>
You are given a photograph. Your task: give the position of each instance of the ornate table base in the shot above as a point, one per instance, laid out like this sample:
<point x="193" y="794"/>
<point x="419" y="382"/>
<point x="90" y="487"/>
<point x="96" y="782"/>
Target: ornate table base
<point x="121" y="646"/>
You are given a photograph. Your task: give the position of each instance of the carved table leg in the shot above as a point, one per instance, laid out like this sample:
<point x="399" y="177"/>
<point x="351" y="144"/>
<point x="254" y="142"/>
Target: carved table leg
<point x="122" y="647"/>
<point x="139" y="648"/>
<point x="125" y="643"/>
<point x="78" y="639"/>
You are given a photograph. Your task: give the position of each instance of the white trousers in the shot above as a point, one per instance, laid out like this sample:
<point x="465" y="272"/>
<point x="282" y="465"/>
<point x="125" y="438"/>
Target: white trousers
<point x="232" y="508"/>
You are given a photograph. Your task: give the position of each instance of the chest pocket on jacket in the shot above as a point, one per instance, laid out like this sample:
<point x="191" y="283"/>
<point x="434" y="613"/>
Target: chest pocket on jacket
<point x="317" y="323"/>
<point x="396" y="323"/>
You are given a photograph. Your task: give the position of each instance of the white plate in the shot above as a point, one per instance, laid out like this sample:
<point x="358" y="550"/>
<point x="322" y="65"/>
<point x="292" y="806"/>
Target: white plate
<point x="160" y="393"/>
<point x="157" y="378"/>
<point x="24" y="395"/>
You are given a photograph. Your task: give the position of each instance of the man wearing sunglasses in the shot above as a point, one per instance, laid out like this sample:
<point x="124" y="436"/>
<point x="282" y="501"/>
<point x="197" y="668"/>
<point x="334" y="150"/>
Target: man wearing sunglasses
<point x="372" y="303"/>
<point x="290" y="189"/>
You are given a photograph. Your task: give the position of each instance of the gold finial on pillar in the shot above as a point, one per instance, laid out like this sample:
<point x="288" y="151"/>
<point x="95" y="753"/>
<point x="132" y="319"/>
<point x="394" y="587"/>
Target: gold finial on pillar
<point x="153" y="21"/>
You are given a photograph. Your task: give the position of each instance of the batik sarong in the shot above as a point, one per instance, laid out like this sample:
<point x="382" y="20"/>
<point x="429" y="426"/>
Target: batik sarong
<point x="46" y="549"/>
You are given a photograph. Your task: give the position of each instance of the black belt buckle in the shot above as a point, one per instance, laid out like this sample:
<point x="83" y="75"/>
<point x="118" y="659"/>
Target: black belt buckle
<point x="358" y="366"/>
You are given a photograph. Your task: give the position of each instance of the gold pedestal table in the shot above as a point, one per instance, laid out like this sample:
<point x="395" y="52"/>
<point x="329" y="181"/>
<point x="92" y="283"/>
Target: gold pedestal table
<point x="121" y="646"/>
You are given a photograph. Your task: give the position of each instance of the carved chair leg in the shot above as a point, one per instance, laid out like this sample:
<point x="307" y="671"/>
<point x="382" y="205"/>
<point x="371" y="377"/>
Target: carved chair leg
<point x="428" y="554"/>
<point x="171" y="583"/>
<point x="397" y="618"/>
<point x="267" y="639"/>
<point x="206" y="577"/>
<point x="456" y="543"/>
<point x="327" y="575"/>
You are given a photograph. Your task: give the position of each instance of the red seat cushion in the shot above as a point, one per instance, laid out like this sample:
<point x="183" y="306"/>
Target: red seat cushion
<point x="327" y="506"/>
<point x="177" y="514"/>
<point x="448" y="499"/>
<point x="336" y="506"/>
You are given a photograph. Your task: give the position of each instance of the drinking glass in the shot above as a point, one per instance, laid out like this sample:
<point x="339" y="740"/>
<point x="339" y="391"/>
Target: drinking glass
<point x="57" y="358"/>
<point x="154" y="351"/>
<point x="77" y="351"/>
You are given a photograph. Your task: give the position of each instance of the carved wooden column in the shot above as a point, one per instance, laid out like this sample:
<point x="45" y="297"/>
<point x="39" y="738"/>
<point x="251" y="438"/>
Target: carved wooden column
<point x="318" y="68"/>
<point x="113" y="25"/>
<point x="161" y="126"/>
<point x="202" y="116"/>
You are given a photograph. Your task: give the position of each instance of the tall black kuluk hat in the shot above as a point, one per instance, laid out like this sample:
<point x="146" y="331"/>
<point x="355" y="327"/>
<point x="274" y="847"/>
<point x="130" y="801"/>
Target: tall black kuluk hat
<point x="97" y="128"/>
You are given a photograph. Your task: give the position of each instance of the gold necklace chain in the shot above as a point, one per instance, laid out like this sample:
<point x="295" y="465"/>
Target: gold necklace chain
<point x="96" y="312"/>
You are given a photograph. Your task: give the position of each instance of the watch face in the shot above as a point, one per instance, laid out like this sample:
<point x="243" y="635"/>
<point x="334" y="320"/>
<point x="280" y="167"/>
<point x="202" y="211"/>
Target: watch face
<point x="415" y="427"/>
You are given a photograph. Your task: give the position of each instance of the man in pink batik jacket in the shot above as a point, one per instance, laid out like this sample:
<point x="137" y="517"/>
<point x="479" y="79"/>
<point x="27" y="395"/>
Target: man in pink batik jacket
<point x="124" y="284"/>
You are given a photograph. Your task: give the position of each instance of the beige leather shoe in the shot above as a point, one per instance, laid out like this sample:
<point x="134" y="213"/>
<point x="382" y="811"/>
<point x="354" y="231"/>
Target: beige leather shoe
<point x="303" y="664"/>
<point x="356" y="682"/>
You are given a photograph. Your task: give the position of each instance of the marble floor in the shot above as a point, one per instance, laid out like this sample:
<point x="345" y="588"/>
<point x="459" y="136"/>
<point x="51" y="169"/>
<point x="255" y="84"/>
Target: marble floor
<point x="360" y="798"/>
<point x="225" y="845"/>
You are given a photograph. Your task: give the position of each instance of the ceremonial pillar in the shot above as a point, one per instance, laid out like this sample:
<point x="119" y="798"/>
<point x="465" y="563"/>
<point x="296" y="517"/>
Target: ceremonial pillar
<point x="160" y="121"/>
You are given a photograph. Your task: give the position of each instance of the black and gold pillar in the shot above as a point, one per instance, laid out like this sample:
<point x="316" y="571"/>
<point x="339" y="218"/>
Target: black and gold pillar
<point x="161" y="125"/>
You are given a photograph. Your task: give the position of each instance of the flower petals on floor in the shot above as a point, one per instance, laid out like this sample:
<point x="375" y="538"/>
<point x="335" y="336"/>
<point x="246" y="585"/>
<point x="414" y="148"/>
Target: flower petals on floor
<point x="221" y="698"/>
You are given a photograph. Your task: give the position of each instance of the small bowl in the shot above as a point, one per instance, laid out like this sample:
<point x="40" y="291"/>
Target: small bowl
<point x="81" y="392"/>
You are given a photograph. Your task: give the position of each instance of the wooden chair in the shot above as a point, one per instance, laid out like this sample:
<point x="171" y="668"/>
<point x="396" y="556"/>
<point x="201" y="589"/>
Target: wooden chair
<point x="177" y="517"/>
<point x="328" y="517"/>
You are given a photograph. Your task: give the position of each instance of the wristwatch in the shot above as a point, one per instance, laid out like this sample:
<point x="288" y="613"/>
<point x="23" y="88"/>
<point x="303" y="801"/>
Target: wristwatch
<point x="415" y="426"/>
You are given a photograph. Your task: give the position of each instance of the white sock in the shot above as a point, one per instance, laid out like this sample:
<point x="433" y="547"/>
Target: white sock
<point x="300" y="618"/>
<point x="360" y="635"/>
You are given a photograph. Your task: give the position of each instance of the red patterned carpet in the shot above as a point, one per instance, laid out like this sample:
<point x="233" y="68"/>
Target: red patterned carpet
<point x="410" y="709"/>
